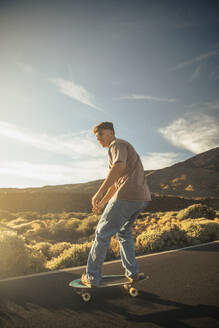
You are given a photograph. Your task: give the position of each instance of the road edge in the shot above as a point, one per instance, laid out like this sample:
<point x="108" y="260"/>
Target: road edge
<point x="106" y="263"/>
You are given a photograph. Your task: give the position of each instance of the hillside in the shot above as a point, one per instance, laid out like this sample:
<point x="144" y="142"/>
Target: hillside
<point x="172" y="188"/>
<point x="195" y="177"/>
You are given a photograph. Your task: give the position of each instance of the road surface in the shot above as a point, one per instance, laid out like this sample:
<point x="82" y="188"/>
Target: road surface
<point x="183" y="291"/>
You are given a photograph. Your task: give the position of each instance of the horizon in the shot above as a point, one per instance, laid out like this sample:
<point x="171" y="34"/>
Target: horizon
<point x="150" y="68"/>
<point x="92" y="181"/>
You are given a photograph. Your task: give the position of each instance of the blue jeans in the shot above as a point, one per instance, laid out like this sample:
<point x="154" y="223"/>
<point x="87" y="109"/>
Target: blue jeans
<point x="117" y="218"/>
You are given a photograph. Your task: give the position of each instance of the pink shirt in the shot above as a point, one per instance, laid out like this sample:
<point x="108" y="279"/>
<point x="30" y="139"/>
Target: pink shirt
<point x="132" y="185"/>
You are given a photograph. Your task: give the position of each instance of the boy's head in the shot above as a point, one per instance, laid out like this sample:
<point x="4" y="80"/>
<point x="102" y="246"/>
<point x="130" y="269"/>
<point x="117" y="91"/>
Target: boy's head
<point x="103" y="126"/>
<point x="105" y="133"/>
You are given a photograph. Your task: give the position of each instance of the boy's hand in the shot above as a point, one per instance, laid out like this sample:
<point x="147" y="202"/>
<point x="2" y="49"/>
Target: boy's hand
<point x="96" y="199"/>
<point x="98" y="208"/>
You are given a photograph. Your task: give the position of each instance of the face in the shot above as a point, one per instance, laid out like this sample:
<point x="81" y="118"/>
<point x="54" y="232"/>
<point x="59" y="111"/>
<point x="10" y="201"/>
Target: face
<point x="105" y="137"/>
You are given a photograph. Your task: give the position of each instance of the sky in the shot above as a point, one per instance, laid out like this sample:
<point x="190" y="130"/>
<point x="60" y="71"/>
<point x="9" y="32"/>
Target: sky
<point x="151" y="67"/>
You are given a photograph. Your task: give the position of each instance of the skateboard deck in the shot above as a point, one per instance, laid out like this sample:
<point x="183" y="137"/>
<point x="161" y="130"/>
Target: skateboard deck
<point x="106" y="282"/>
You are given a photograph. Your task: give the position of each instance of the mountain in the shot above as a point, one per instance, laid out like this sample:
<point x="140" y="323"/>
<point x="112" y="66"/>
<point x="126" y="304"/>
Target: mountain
<point x="193" y="180"/>
<point x="198" y="176"/>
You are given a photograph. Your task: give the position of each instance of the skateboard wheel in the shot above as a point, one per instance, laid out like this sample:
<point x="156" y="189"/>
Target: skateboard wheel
<point x="86" y="297"/>
<point x="126" y="287"/>
<point x="133" y="292"/>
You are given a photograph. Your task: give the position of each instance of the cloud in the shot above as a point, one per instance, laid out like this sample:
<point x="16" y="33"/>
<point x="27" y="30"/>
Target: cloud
<point x="76" y="92"/>
<point x="78" y="158"/>
<point x="149" y="98"/>
<point x="155" y="161"/>
<point x="74" y="145"/>
<point x="196" y="133"/>
<point x="197" y="59"/>
<point x="52" y="174"/>
<point x="205" y="106"/>
<point x="88" y="160"/>
<point x="196" y="73"/>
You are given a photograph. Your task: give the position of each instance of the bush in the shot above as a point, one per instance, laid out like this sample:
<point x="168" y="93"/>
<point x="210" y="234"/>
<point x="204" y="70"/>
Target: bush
<point x="169" y="215"/>
<point x="7" y="216"/>
<point x="72" y="224"/>
<point x="73" y="215"/>
<point x="28" y="215"/>
<point x="43" y="247"/>
<point x="87" y="226"/>
<point x="114" y="249"/>
<point x="49" y="250"/>
<point x="57" y="249"/>
<point x="16" y="258"/>
<point x="197" y="211"/>
<point x="18" y="221"/>
<point x="51" y="216"/>
<point x="37" y="261"/>
<point x="22" y="228"/>
<point x="160" y="239"/>
<point x="74" y="256"/>
<point x="64" y="229"/>
<point x="200" y="230"/>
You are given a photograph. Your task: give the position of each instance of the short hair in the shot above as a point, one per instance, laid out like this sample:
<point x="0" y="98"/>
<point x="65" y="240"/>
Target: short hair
<point x="103" y="126"/>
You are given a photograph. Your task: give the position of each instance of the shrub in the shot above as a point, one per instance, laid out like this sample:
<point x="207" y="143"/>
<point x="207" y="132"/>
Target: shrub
<point x="43" y="247"/>
<point x="16" y="258"/>
<point x="18" y="221"/>
<point x="197" y="211"/>
<point x="64" y="229"/>
<point x="22" y="228"/>
<point x="88" y="225"/>
<point x="51" y="216"/>
<point x="7" y="216"/>
<point x="114" y="250"/>
<point x="160" y="239"/>
<point x="72" y="224"/>
<point x="73" y="215"/>
<point x="37" y="262"/>
<point x="13" y="254"/>
<point x="200" y="230"/>
<point x="28" y="215"/>
<point x="49" y="250"/>
<point x="169" y="215"/>
<point x="56" y="249"/>
<point x="74" y="256"/>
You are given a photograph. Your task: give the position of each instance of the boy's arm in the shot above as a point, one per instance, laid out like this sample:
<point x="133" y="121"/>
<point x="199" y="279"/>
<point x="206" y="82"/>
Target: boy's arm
<point x="111" y="191"/>
<point x="117" y="171"/>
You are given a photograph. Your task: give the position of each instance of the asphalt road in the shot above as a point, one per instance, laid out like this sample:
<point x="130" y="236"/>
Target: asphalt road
<point x="183" y="291"/>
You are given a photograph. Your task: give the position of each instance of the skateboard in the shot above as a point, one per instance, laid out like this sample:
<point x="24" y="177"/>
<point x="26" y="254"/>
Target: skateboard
<point x="106" y="282"/>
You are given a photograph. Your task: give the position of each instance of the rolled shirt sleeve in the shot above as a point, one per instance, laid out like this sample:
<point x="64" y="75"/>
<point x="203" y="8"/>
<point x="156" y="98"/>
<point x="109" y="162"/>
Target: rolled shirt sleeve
<point x="119" y="153"/>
